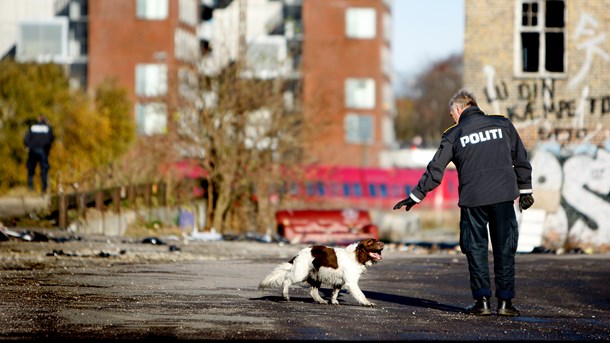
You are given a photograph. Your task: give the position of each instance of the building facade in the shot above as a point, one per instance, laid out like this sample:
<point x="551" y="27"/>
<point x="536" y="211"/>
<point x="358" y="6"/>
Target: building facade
<point x="348" y="100"/>
<point x="336" y="54"/>
<point x="546" y="65"/>
<point x="47" y="31"/>
<point x="147" y="46"/>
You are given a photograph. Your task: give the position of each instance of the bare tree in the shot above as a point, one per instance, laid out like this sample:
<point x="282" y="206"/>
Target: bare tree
<point x="245" y="138"/>
<point x="427" y="113"/>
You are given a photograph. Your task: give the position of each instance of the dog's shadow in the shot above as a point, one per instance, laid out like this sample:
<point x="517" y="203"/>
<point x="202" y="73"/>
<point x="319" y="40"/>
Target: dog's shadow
<point x="279" y="299"/>
<point x="385" y="297"/>
<point x="410" y="301"/>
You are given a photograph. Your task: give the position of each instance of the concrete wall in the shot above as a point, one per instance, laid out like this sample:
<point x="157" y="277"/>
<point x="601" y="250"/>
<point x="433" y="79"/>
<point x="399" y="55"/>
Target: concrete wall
<point x="109" y="223"/>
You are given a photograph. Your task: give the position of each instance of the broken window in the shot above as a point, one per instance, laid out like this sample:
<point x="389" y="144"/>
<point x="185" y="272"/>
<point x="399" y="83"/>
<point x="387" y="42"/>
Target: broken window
<point x="541" y="37"/>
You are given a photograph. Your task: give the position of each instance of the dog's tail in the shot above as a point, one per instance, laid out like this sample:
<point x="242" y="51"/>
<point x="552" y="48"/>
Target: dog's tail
<point x="276" y="277"/>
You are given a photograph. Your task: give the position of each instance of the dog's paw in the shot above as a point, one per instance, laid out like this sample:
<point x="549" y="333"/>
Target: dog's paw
<point x="369" y="304"/>
<point x="334" y="302"/>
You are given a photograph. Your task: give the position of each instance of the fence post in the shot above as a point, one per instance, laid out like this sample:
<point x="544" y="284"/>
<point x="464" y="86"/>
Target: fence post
<point x="162" y="194"/>
<point x="99" y="200"/>
<point x="147" y="189"/>
<point x="132" y="196"/>
<point x="116" y="199"/>
<point x="80" y="204"/>
<point x="63" y="208"/>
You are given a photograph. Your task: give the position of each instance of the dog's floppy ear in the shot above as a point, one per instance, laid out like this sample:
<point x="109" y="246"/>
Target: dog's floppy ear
<point x="367" y="241"/>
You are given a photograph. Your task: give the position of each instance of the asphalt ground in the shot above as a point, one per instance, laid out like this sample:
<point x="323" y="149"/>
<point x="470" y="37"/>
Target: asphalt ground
<point x="105" y="290"/>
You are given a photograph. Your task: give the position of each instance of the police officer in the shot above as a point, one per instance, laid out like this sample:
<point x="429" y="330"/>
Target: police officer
<point x="38" y="141"/>
<point x="493" y="170"/>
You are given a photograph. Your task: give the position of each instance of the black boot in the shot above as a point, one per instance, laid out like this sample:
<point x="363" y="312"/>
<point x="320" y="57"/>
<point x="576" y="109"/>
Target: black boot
<point x="506" y="308"/>
<point x="480" y="307"/>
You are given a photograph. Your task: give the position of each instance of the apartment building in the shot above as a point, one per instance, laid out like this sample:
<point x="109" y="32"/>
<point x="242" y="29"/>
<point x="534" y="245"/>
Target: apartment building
<point x="336" y="55"/>
<point x="347" y="75"/>
<point x="47" y="31"/>
<point x="145" y="46"/>
<point x="148" y="46"/>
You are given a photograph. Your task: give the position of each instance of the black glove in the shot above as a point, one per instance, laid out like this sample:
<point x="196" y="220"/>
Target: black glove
<point x="525" y="201"/>
<point x="408" y="203"/>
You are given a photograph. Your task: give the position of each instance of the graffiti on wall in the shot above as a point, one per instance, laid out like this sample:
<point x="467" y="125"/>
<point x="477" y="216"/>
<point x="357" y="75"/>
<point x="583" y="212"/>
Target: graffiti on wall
<point x="573" y="187"/>
<point x="535" y="101"/>
<point x="588" y="39"/>
<point x="571" y="174"/>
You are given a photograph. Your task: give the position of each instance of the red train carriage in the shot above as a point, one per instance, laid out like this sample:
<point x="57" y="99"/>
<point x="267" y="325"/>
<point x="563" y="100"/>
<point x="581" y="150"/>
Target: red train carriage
<point x="373" y="188"/>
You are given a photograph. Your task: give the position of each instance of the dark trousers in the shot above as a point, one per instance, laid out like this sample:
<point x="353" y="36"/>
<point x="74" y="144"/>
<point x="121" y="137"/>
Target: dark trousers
<point x="504" y="234"/>
<point x="35" y="157"/>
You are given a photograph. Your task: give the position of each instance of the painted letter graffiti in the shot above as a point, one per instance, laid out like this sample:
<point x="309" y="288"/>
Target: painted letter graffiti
<point x="587" y="26"/>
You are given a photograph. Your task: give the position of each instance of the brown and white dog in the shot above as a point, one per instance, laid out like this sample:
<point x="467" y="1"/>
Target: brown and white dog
<point x="335" y="267"/>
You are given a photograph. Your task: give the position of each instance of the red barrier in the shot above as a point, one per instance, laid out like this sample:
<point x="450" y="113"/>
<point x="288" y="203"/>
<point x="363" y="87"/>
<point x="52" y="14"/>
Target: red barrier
<point x="325" y="226"/>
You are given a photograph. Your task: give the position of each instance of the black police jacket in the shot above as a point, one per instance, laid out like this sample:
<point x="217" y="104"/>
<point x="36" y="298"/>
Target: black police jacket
<point x="39" y="136"/>
<point x="490" y="158"/>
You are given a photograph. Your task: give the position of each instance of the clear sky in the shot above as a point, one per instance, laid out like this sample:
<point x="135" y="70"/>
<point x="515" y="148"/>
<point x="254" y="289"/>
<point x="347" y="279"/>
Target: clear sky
<point x="424" y="31"/>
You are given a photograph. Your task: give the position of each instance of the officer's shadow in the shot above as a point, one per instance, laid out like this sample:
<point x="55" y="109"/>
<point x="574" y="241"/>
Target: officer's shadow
<point x="385" y="297"/>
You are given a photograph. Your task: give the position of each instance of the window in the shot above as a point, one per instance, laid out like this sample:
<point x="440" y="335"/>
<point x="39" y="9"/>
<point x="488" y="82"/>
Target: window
<point x="540" y="38"/>
<point x="380" y="190"/>
<point x="320" y="188"/>
<point x="387" y="28"/>
<point x="294" y="189"/>
<point x="360" y="23"/>
<point x="310" y="188"/>
<point x="334" y="189"/>
<point x="267" y="57"/>
<point x="186" y="45"/>
<point x="151" y="118"/>
<point x="386" y="60"/>
<point x="357" y="190"/>
<point x="353" y="189"/>
<point x="346" y="191"/>
<point x="187" y="12"/>
<point x="383" y="189"/>
<point x="372" y="190"/>
<point x="396" y="191"/>
<point x="360" y="93"/>
<point x="151" y="9"/>
<point x="151" y="79"/>
<point x="315" y="188"/>
<point x="358" y="128"/>
<point x="43" y="41"/>
<point x="187" y="83"/>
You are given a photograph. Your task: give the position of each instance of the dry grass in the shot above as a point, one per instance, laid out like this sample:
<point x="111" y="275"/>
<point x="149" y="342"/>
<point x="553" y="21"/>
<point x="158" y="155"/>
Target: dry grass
<point x="19" y="191"/>
<point x="153" y="229"/>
